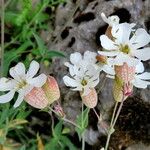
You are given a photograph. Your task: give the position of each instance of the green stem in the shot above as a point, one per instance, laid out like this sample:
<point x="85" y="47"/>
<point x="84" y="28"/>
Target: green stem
<point x="83" y="142"/>
<point x="29" y="24"/>
<point x="83" y="138"/>
<point x="64" y="119"/>
<point x="113" y="121"/>
<point x="115" y="108"/>
<point x="2" y="36"/>
<point x="7" y="3"/>
<point x="118" y="112"/>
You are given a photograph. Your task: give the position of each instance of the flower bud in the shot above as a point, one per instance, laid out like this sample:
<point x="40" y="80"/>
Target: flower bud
<point x="90" y="100"/>
<point x="122" y="85"/>
<point x="59" y="110"/>
<point x="101" y="59"/>
<point x="51" y="89"/>
<point x="37" y="98"/>
<point x="125" y="72"/>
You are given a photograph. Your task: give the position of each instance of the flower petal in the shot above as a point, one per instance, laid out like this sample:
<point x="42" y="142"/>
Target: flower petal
<point x="109" y="69"/>
<point x="90" y="57"/>
<point x="18" y="71"/>
<point x="140" y="38"/>
<point x="107" y="43"/>
<point x="38" y="81"/>
<point x="139" y="67"/>
<point x="140" y="83"/>
<point x="33" y="69"/>
<point x="143" y="54"/>
<point x="112" y="20"/>
<point x="144" y="76"/>
<point x="122" y="58"/>
<point x="20" y="98"/>
<point x="70" y="82"/>
<point x="75" y="58"/>
<point x="93" y="83"/>
<point x="111" y="53"/>
<point x="121" y="32"/>
<point x="7" y="97"/>
<point x="6" y="84"/>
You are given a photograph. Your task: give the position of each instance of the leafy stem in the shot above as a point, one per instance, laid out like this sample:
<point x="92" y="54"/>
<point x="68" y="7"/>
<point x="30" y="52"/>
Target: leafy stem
<point x="64" y="118"/>
<point x="113" y="121"/>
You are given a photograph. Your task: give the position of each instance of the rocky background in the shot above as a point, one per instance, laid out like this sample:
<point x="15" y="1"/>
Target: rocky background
<point x="77" y="27"/>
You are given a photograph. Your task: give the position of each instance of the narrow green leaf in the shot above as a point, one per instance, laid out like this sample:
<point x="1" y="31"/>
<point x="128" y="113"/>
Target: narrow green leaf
<point x="10" y="56"/>
<point x="58" y="129"/>
<point x="40" y="43"/>
<point x="52" y="53"/>
<point x="83" y="123"/>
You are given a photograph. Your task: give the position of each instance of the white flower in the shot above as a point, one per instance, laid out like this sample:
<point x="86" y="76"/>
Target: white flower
<point x="22" y="82"/>
<point x="106" y="64"/>
<point x="84" y="72"/>
<point x="76" y="59"/>
<point x="140" y="79"/>
<point x="83" y="79"/>
<point x="126" y="46"/>
<point x="112" y="20"/>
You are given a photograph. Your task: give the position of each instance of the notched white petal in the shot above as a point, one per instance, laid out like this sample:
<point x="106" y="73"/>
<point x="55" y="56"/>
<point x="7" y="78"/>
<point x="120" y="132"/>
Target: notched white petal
<point x="7" y="97"/>
<point x="107" y="43"/>
<point x="75" y="58"/>
<point x="38" y="81"/>
<point x="19" y="99"/>
<point x="33" y="69"/>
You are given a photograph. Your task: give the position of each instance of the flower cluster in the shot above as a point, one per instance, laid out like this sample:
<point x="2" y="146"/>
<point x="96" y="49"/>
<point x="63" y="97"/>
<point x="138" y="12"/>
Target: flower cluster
<point x="35" y="90"/>
<point x="123" y="51"/>
<point x="125" y="46"/>
<point x="121" y="59"/>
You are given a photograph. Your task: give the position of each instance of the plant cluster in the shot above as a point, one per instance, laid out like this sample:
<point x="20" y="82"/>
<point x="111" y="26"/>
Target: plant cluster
<point x="121" y="59"/>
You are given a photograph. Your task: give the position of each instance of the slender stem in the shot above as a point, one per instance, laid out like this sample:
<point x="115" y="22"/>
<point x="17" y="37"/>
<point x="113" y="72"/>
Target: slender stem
<point x="83" y="138"/>
<point x="118" y="112"/>
<point x="29" y="24"/>
<point x="98" y="117"/>
<point x="52" y="119"/>
<point x="12" y="40"/>
<point x="114" y="112"/>
<point x="71" y="122"/>
<point x="83" y="142"/>
<point x="113" y="121"/>
<point x="2" y="36"/>
<point x="65" y="119"/>
<point x="7" y="3"/>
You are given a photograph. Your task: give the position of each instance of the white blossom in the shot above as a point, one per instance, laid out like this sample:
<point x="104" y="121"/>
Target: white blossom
<point x="141" y="78"/>
<point x="83" y="71"/>
<point x="21" y="82"/>
<point x="106" y="64"/>
<point x="127" y="45"/>
<point x="111" y="21"/>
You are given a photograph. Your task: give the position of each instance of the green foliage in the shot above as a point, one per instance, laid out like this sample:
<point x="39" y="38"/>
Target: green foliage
<point x="82" y="122"/>
<point x="59" y="140"/>
<point x="11" y="119"/>
<point x="25" y="21"/>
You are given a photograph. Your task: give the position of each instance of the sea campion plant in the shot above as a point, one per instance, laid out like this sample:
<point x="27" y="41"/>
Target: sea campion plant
<point x="125" y="46"/>
<point x="120" y="59"/>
